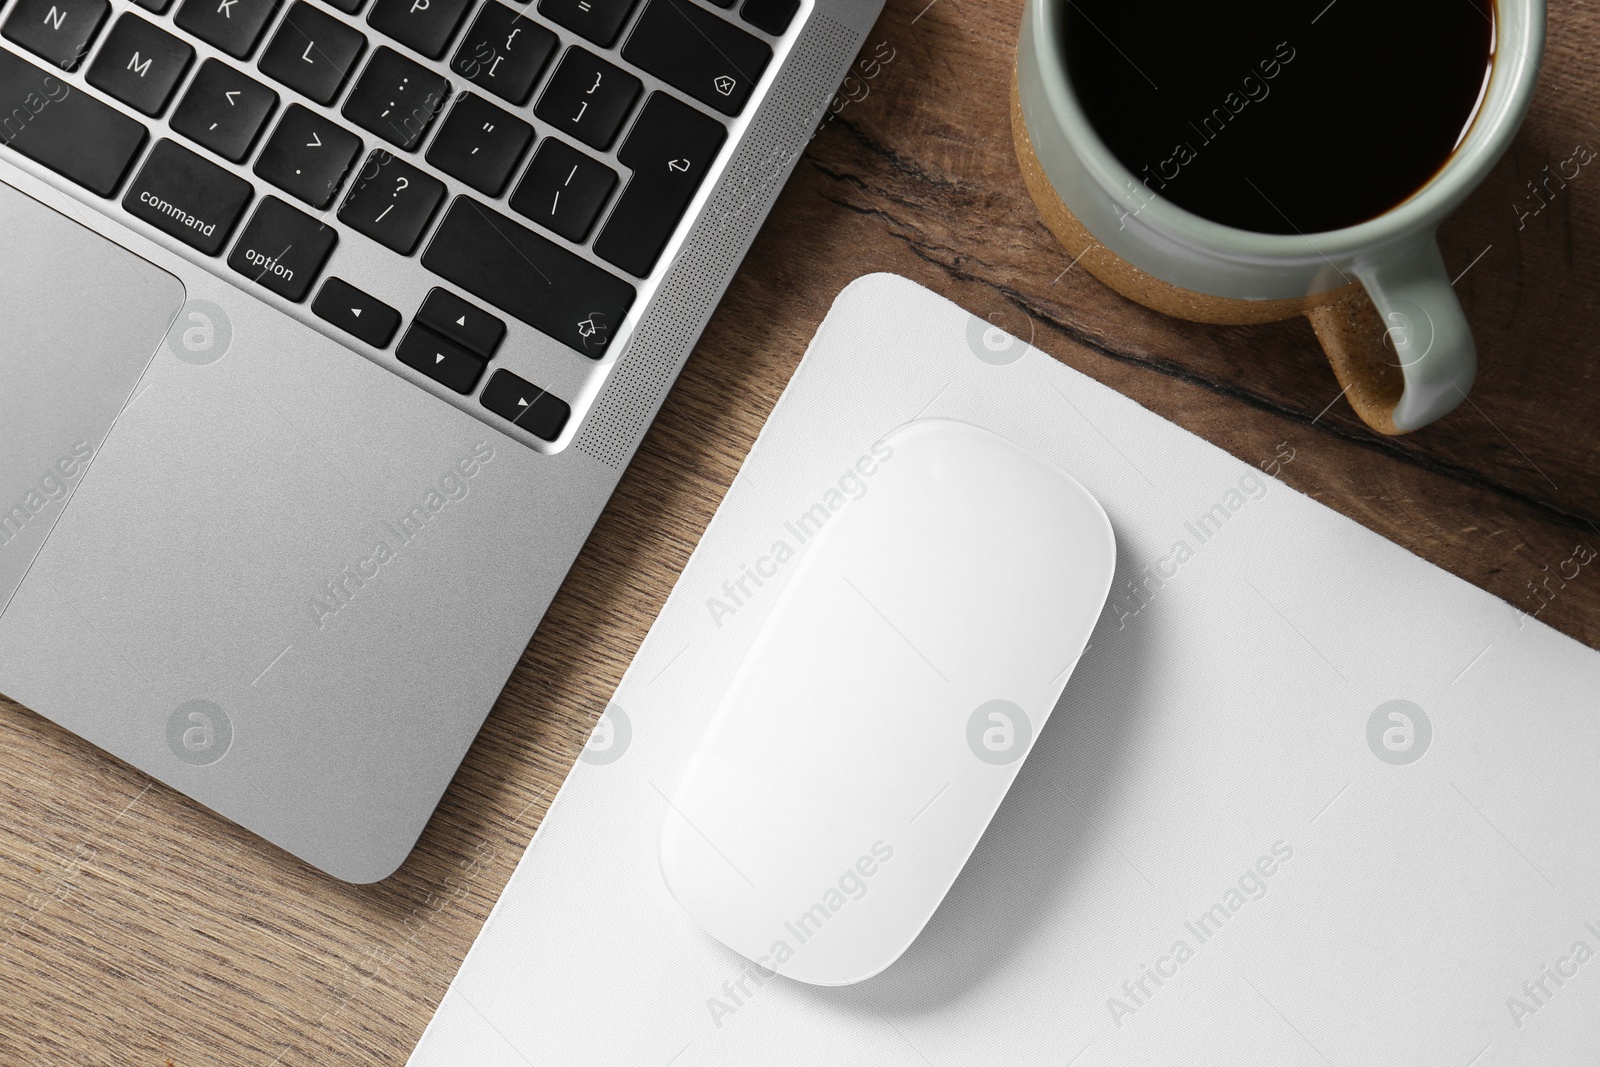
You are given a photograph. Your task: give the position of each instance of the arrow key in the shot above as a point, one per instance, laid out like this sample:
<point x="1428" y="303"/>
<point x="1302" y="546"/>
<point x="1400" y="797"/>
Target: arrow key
<point x="224" y="110"/>
<point x="442" y="360"/>
<point x="472" y="328"/>
<point x="530" y="407"/>
<point x="356" y="313"/>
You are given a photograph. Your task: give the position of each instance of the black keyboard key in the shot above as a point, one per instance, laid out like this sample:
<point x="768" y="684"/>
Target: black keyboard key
<point x="691" y="49"/>
<point x="670" y="149"/>
<point x="540" y="413"/>
<point x="157" y="7"/>
<point x="770" y="16"/>
<point x="224" y="110"/>
<point x="504" y="52"/>
<point x="596" y="20"/>
<point x="480" y="144"/>
<point x="308" y="156"/>
<point x="231" y="25"/>
<point x="70" y="132"/>
<point x="188" y="197"/>
<point x="440" y="359"/>
<point x="529" y="276"/>
<point x="564" y="190"/>
<point x="472" y="328"/>
<point x="349" y="7"/>
<point x="56" y="30"/>
<point x="356" y="313"/>
<point x="424" y="26"/>
<point x="140" y="65"/>
<point x="392" y="202"/>
<point x="283" y="249"/>
<point x="588" y="98"/>
<point x="396" y="98"/>
<point x="312" y="53"/>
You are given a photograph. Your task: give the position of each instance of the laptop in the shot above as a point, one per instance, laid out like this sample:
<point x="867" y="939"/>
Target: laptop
<point x="327" y="328"/>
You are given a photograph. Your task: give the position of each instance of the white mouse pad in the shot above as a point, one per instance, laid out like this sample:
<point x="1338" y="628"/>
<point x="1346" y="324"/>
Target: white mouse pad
<point x="1307" y="800"/>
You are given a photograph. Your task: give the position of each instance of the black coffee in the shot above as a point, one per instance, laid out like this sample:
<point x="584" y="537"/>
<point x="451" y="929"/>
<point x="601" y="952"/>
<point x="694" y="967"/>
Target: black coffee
<point x="1280" y="116"/>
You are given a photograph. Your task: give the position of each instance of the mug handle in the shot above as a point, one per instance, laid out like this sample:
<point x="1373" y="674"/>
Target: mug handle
<point x="1400" y="344"/>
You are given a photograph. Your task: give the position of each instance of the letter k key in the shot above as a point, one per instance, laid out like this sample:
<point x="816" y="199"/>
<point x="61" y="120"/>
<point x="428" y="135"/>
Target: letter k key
<point x="234" y="26"/>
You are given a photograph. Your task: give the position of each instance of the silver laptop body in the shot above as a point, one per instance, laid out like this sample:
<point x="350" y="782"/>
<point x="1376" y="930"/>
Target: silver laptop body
<point x="271" y="564"/>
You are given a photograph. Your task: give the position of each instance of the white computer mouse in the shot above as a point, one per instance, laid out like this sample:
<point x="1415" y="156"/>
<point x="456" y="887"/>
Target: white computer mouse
<point x="886" y="703"/>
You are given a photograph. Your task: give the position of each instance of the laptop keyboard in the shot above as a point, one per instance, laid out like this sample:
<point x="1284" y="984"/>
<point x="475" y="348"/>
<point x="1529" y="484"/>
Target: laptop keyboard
<point x="349" y="132"/>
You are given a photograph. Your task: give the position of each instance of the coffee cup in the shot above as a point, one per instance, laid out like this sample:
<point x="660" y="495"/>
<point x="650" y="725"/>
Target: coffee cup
<point x="1376" y="291"/>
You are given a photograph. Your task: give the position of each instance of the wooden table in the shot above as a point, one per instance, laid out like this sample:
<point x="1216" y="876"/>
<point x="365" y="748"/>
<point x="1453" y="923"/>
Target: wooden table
<point x="142" y="929"/>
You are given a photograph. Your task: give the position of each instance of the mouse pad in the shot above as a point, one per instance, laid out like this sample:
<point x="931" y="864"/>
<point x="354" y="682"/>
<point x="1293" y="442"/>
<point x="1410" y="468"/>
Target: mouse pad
<point x="1307" y="800"/>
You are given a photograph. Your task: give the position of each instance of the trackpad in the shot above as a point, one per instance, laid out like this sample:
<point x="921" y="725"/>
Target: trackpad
<point x="81" y="318"/>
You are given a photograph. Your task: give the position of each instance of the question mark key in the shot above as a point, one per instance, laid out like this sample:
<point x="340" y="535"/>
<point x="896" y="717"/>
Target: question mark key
<point x="392" y="202"/>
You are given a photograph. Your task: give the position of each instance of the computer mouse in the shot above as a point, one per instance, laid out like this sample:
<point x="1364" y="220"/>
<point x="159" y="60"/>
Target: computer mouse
<point x="887" y="701"/>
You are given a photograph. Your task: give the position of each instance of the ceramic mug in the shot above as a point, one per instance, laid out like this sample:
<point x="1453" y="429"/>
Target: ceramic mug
<point x="1377" y="293"/>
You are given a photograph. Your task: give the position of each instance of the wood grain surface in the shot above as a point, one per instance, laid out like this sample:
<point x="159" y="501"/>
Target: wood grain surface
<point x="140" y="929"/>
